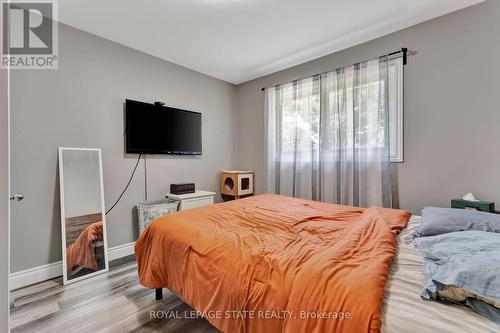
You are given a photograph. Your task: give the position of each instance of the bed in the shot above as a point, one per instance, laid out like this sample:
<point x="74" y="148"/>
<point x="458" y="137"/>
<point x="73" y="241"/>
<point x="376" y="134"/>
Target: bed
<point x="277" y="264"/>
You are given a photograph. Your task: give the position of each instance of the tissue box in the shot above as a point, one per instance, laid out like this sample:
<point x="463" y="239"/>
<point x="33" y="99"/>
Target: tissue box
<point x="484" y="206"/>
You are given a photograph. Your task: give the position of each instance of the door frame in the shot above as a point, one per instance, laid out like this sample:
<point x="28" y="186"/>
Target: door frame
<point x="5" y="203"/>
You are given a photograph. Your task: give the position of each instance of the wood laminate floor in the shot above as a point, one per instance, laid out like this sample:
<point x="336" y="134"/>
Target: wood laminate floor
<point x="111" y="302"/>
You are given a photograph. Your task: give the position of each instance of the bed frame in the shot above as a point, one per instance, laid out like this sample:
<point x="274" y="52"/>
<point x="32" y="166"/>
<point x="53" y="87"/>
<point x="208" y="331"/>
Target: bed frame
<point x="158" y="293"/>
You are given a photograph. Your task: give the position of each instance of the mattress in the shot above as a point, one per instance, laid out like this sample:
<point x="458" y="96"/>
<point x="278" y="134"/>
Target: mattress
<point x="405" y="311"/>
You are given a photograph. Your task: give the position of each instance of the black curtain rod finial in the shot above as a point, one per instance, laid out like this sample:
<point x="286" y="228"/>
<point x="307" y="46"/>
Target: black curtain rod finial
<point x="404" y="50"/>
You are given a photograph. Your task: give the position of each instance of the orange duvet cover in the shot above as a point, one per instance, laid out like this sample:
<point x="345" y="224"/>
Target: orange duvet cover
<point x="81" y="252"/>
<point x="271" y="263"/>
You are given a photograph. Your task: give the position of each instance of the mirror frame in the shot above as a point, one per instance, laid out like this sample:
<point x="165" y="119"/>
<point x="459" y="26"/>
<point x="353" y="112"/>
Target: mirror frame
<point x="63" y="217"/>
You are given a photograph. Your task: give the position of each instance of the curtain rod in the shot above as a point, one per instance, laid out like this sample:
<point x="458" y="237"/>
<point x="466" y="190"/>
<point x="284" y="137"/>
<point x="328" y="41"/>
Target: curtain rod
<point x="403" y="51"/>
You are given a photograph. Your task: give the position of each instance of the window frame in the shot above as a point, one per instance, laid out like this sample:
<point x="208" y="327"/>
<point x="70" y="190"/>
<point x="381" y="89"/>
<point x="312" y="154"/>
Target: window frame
<point x="396" y="128"/>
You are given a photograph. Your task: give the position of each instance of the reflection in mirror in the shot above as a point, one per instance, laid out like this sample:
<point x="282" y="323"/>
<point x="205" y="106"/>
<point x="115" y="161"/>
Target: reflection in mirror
<point x="82" y="213"/>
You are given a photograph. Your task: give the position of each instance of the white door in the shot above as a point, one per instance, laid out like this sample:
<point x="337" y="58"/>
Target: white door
<point x="4" y="202"/>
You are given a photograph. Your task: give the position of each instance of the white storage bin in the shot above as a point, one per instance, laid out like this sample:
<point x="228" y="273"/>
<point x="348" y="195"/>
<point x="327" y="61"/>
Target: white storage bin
<point x="150" y="211"/>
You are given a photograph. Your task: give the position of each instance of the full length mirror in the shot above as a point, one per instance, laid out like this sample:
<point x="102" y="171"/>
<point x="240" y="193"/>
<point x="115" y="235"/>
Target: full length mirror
<point x="83" y="220"/>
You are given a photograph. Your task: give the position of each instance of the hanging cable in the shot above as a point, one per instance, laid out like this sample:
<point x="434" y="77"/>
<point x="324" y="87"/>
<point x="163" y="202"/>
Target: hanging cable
<point x="128" y="184"/>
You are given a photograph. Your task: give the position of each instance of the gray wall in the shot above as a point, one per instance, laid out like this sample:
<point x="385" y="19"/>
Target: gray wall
<point x="451" y="114"/>
<point x="81" y="105"/>
<point x="4" y="205"/>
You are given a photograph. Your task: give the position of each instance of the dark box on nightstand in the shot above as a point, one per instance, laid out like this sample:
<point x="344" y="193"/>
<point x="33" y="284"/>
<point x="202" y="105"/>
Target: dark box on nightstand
<point x="182" y="188"/>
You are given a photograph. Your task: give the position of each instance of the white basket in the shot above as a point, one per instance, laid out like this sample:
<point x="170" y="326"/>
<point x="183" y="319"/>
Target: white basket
<point x="150" y="211"/>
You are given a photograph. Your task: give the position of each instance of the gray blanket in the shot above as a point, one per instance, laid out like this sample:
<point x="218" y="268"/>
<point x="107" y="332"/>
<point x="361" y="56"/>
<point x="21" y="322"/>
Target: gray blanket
<point x="466" y="259"/>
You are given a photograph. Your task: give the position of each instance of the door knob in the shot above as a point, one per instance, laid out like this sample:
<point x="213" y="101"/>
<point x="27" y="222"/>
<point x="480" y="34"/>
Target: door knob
<point x="17" y="197"/>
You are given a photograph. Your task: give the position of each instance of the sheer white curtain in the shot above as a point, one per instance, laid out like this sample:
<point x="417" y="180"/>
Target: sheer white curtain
<point x="328" y="136"/>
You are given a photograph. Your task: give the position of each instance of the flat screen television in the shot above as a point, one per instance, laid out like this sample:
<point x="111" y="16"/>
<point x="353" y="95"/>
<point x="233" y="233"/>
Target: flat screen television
<point x="154" y="129"/>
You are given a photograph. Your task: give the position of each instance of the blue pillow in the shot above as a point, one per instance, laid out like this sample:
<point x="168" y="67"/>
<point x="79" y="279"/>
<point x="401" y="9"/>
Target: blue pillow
<point x="436" y="221"/>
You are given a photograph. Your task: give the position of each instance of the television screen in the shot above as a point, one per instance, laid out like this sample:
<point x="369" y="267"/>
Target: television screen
<point x="152" y="129"/>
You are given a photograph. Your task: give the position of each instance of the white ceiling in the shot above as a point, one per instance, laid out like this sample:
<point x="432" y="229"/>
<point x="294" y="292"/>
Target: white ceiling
<point x="239" y="40"/>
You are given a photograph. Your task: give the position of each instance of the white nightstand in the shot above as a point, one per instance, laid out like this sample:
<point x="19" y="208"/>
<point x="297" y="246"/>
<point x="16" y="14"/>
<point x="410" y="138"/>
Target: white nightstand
<point x="192" y="200"/>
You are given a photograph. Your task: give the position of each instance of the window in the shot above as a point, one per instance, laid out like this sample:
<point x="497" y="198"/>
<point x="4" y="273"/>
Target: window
<point x="299" y="107"/>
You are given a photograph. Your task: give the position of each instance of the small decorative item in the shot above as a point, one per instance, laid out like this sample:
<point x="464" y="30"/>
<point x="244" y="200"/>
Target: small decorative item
<point x="236" y="183"/>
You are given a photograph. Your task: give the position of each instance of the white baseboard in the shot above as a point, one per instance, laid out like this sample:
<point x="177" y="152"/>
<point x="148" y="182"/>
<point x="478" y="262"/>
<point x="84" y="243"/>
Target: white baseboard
<point x="121" y="251"/>
<point x="34" y="275"/>
<point x="46" y="272"/>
